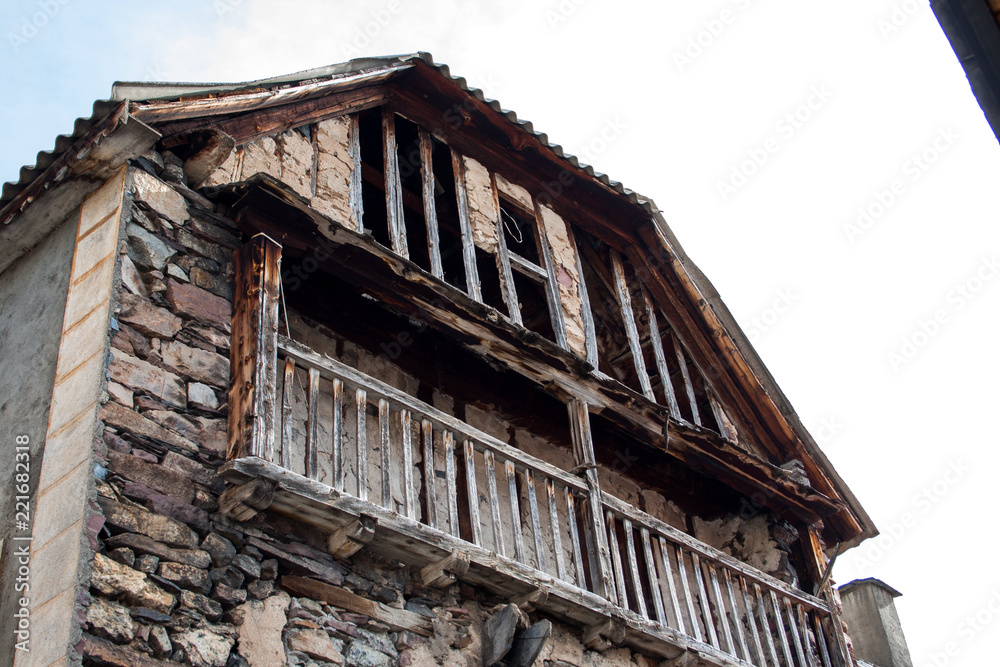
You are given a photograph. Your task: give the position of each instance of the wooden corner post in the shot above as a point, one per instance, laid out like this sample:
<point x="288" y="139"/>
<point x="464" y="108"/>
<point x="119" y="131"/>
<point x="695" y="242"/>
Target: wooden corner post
<point x="253" y="352"/>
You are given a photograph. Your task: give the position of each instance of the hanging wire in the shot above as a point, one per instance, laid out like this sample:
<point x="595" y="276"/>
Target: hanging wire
<point x="519" y="238"/>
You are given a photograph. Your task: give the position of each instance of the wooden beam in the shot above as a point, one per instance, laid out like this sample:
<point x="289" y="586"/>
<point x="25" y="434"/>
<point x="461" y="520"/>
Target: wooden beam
<point x="604" y="635"/>
<point x="393" y="187"/>
<point x="244" y="502"/>
<point x="583" y="454"/>
<point x="430" y="210"/>
<point x="446" y="571"/>
<point x="472" y="285"/>
<point x="253" y="353"/>
<point x="351" y="538"/>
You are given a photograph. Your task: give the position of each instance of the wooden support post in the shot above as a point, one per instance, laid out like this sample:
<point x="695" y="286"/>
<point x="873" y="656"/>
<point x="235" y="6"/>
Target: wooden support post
<point x="430" y="210"/>
<point x="631" y="330"/>
<point x="244" y="502"/>
<point x="445" y="571"/>
<point x="253" y="355"/>
<point x="472" y="285"/>
<point x="393" y="188"/>
<point x="552" y="284"/>
<point x="357" y="202"/>
<point x="583" y="452"/>
<point x="604" y="635"/>
<point x="351" y="538"/>
<point x="507" y="288"/>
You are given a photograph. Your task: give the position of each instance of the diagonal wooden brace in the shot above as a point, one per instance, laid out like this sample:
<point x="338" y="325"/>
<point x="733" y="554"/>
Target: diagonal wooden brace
<point x="244" y="502"/>
<point x="351" y="538"/>
<point x="445" y="571"/>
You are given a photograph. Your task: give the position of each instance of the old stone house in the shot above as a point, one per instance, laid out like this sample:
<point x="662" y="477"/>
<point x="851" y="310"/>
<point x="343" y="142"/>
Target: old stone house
<point x="355" y="367"/>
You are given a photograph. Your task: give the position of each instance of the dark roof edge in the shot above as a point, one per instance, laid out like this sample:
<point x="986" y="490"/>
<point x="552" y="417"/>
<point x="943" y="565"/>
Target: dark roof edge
<point x="864" y="583"/>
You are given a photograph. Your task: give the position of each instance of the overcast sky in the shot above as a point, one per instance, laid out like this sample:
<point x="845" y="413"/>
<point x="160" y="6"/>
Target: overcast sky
<point x="825" y="164"/>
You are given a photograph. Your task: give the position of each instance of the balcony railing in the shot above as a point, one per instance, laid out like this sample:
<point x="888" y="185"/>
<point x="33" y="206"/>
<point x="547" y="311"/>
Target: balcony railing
<point x="435" y="479"/>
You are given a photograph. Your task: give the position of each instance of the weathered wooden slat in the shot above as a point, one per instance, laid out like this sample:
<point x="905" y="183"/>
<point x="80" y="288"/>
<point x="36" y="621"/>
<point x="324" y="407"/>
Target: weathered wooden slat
<point x="385" y="445"/>
<point x="536" y="524"/>
<point x="473" y="493"/>
<point x="654" y="587"/>
<point x="824" y="652"/>
<point x="633" y="567"/>
<point x="706" y="608"/>
<point x="253" y="356"/>
<point x="312" y="423"/>
<point x="574" y="536"/>
<point x="721" y="608"/>
<point x="717" y="412"/>
<point x="409" y="498"/>
<point x="631" y="331"/>
<point x="748" y="604"/>
<point x="430" y="476"/>
<point x="805" y="632"/>
<point x="589" y="329"/>
<point x="786" y="650"/>
<point x="551" y="284"/>
<point x="472" y="285"/>
<point x="287" y="426"/>
<point x="430" y="210"/>
<point x="765" y="625"/>
<point x="338" y="434"/>
<point x="666" y="576"/>
<point x="515" y="510"/>
<point x="527" y="268"/>
<point x="661" y="359"/>
<point x="556" y="528"/>
<point x="616" y="560"/>
<point x="688" y="387"/>
<point x="793" y="629"/>
<point x="393" y="188"/>
<point x="507" y="288"/>
<point x="596" y="535"/>
<point x="451" y="485"/>
<point x="735" y="618"/>
<point x="494" y="499"/>
<point x="688" y="597"/>
<point x="707" y="552"/>
<point x="356" y="200"/>
<point x="361" y="410"/>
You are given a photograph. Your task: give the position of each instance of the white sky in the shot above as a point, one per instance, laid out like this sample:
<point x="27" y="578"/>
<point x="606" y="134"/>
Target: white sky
<point x="678" y="129"/>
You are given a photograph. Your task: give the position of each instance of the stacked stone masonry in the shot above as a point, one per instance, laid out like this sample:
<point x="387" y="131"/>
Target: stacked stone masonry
<point x="173" y="581"/>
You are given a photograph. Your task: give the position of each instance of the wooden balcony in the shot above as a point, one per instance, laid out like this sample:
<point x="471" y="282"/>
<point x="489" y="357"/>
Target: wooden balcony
<point x="376" y="468"/>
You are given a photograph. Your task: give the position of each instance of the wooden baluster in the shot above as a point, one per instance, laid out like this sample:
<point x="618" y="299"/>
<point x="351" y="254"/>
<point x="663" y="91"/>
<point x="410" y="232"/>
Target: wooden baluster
<point x="721" y="608"/>
<point x="536" y="523"/>
<point x="654" y="588"/>
<point x="452" y="485"/>
<point x="616" y="560"/>
<point x="574" y="536"/>
<point x="393" y="188"/>
<point x="765" y="625"/>
<point x="736" y="620"/>
<point x="688" y="598"/>
<point x="515" y="510"/>
<point x="824" y="652"/>
<point x="312" y="423"/>
<point x="338" y="436"/>
<point x="688" y="387"/>
<point x="491" y="489"/>
<point x="706" y="609"/>
<point x="430" y="477"/>
<point x="556" y="527"/>
<point x="804" y="630"/>
<point x="633" y="566"/>
<point x="661" y="358"/>
<point x="667" y="579"/>
<point x="793" y="629"/>
<point x="470" y="484"/>
<point x="287" y="386"/>
<point x="631" y="331"/>
<point x="430" y="211"/>
<point x="754" y="634"/>
<point x="361" y="403"/>
<point x="385" y="444"/>
<point x="465" y="224"/>
<point x="409" y="500"/>
<point x="786" y="650"/>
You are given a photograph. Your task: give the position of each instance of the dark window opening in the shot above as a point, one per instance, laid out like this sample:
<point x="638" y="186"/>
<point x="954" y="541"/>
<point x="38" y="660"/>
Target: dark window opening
<point x="489" y="280"/>
<point x="519" y="230"/>
<point x="408" y="150"/>
<point x="373" y="175"/>
<point x="446" y="206"/>
<point x="534" y="305"/>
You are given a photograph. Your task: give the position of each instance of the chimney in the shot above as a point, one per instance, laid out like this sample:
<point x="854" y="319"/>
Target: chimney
<point x="873" y="624"/>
